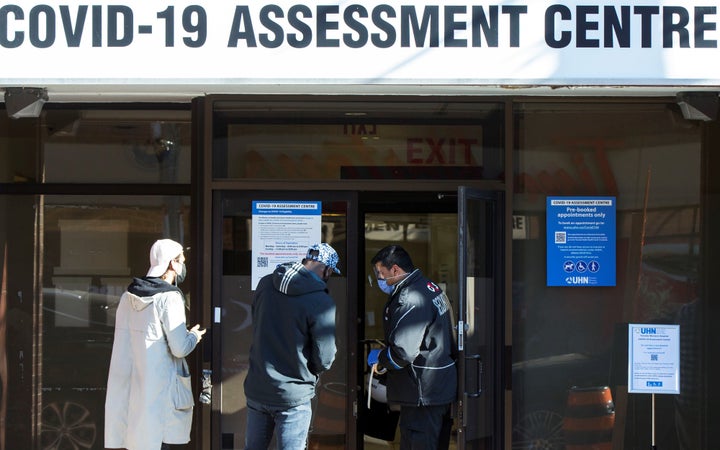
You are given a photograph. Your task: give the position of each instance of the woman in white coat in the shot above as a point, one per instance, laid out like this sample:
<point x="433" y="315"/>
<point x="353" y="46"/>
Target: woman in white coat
<point x="144" y="406"/>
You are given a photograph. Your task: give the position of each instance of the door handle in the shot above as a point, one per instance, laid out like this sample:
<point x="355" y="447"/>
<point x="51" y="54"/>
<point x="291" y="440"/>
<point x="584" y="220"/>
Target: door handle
<point x="478" y="371"/>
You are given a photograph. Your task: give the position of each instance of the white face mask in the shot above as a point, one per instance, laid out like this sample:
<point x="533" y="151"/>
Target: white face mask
<point x="180" y="274"/>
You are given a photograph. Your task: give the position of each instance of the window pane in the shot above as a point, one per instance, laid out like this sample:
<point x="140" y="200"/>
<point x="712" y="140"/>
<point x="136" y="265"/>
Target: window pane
<point x="400" y="141"/>
<point x="567" y="338"/>
<point x="93" y="246"/>
<point x="96" y="146"/>
<point x="18" y="150"/>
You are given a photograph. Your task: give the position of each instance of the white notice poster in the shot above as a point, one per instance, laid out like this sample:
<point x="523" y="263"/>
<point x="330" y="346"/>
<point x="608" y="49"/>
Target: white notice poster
<point x="282" y="231"/>
<point x="654" y="359"/>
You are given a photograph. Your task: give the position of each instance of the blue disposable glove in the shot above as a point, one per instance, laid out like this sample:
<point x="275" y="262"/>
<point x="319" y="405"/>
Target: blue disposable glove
<point x="373" y="356"/>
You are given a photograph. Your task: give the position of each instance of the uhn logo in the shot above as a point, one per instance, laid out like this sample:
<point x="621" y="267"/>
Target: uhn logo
<point x="577" y="280"/>
<point x="648" y="331"/>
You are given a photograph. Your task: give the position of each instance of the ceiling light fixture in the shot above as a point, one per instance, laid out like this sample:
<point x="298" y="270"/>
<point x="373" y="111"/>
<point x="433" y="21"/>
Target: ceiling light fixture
<point x="698" y="105"/>
<point x="24" y="102"/>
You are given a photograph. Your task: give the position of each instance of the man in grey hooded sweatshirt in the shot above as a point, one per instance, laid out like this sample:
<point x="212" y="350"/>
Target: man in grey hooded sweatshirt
<point x="293" y="343"/>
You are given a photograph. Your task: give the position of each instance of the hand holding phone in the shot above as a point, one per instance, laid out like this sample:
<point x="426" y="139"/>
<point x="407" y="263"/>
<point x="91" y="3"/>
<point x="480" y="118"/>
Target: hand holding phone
<point x="198" y="332"/>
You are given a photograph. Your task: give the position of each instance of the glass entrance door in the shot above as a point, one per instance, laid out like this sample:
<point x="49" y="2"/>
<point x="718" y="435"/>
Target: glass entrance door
<point x="333" y="424"/>
<point x="481" y="269"/>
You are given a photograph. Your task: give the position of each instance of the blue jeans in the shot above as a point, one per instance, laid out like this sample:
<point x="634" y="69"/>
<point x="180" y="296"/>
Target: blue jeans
<point x="292" y="426"/>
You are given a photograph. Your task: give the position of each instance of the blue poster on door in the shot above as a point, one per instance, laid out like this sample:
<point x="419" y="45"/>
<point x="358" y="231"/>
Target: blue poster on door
<point x="580" y="241"/>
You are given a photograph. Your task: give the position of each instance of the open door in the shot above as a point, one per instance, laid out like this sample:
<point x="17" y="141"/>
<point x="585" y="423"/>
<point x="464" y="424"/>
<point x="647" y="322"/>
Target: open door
<point x="481" y="238"/>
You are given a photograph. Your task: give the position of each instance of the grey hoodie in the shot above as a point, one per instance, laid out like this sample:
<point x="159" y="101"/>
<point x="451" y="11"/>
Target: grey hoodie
<point x="293" y="337"/>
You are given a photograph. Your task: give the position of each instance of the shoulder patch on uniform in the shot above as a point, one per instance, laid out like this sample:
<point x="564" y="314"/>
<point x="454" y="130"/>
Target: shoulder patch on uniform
<point x="432" y="287"/>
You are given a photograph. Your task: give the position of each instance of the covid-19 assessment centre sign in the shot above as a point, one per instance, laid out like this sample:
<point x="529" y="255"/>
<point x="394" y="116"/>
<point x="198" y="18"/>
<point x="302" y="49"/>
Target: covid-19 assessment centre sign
<point x="581" y="241"/>
<point x="516" y="42"/>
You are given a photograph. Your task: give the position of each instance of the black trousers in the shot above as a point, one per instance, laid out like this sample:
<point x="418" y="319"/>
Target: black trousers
<point x="425" y="427"/>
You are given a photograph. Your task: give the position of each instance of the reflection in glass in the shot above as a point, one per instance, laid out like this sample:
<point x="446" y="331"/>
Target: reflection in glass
<point x="566" y="339"/>
<point x="362" y="140"/>
<point x="96" y="146"/>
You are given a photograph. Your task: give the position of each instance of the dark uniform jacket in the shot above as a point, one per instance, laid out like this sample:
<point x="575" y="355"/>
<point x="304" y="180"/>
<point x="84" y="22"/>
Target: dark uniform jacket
<point x="293" y="337"/>
<point x="420" y="344"/>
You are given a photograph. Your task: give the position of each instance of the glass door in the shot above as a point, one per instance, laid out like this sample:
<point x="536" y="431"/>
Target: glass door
<point x="481" y="297"/>
<point x="333" y="425"/>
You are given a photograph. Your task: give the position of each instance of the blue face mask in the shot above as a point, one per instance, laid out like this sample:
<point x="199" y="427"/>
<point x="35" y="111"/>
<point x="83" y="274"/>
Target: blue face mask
<point x="382" y="284"/>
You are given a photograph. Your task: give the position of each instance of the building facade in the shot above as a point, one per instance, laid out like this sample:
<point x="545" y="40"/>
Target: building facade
<point x="551" y="165"/>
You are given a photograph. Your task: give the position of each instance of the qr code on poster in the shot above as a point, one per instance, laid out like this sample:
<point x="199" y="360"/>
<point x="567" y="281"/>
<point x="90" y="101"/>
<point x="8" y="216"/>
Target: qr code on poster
<point x="262" y="261"/>
<point x="560" y="237"/>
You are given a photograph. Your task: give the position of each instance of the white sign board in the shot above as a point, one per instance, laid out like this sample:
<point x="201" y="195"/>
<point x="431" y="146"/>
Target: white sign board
<point x="513" y="42"/>
<point x="654" y="359"/>
<point x="282" y="231"/>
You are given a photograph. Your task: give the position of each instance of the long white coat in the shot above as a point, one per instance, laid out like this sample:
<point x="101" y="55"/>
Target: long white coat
<point x="150" y="336"/>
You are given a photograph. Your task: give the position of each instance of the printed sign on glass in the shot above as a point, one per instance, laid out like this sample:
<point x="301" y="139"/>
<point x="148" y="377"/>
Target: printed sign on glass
<point x="580" y="241"/>
<point x="282" y="231"/>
